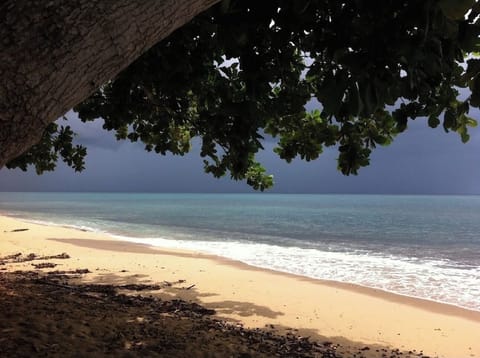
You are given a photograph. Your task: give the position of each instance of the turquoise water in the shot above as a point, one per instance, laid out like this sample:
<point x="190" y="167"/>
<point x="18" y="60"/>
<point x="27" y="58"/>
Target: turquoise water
<point x="421" y="246"/>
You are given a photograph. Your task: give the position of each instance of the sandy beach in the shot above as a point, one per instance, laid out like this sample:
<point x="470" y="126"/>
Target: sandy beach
<point x="349" y="314"/>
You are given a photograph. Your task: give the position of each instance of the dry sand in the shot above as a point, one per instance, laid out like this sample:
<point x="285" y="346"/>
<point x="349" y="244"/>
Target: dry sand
<point x="256" y="297"/>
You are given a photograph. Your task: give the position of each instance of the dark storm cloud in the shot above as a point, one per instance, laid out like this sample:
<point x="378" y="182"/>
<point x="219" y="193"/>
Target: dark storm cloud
<point x="91" y="134"/>
<point x="421" y="160"/>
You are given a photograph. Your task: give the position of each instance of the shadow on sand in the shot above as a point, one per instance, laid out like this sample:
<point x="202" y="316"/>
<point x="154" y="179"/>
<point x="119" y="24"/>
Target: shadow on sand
<point x="49" y="312"/>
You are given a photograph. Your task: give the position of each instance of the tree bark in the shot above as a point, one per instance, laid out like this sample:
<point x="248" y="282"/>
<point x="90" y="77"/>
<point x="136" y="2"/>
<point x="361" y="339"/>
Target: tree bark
<point x="55" y="53"/>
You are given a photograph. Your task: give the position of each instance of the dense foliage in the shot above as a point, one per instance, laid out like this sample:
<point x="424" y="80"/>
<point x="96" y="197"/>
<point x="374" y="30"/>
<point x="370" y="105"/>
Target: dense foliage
<point x="247" y="68"/>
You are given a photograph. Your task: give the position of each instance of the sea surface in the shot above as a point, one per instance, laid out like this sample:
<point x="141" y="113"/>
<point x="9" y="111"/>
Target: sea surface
<point x="419" y="246"/>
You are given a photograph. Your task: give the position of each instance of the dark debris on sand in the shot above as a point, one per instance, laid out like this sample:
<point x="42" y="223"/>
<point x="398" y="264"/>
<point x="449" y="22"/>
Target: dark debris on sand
<point x="19" y="257"/>
<point x="43" y="314"/>
<point x="39" y="317"/>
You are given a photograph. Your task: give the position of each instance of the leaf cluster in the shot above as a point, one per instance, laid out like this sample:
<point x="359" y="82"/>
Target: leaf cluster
<point x="56" y="143"/>
<point x="246" y="69"/>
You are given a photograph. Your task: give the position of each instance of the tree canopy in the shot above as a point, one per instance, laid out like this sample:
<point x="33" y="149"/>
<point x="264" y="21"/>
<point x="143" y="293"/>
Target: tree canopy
<point x="246" y="69"/>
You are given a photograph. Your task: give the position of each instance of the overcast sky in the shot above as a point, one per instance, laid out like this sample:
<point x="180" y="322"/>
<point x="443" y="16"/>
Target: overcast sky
<point x="420" y="161"/>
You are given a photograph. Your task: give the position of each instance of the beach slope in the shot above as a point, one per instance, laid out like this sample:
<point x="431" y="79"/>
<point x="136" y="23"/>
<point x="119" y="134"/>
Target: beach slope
<point x="325" y="311"/>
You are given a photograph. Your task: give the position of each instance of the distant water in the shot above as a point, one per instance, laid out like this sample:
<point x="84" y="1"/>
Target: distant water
<point x="420" y="246"/>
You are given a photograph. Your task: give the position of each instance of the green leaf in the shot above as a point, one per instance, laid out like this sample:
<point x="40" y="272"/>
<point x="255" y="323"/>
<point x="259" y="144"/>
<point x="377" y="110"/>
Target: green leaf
<point x="433" y="121"/>
<point x="449" y="120"/>
<point x="354" y="103"/>
<point x="475" y="88"/>
<point x="332" y="91"/>
<point x="368" y="97"/>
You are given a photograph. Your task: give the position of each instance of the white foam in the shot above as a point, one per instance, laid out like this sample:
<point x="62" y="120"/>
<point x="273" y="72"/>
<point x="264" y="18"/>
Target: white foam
<point x="435" y="280"/>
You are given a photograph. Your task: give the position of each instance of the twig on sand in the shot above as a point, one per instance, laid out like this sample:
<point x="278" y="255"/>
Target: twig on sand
<point x="44" y="265"/>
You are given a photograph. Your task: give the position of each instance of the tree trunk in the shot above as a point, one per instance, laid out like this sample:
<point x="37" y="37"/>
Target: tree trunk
<point x="55" y="53"/>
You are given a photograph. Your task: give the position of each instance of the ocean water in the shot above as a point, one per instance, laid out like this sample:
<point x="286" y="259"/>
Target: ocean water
<point x="419" y="246"/>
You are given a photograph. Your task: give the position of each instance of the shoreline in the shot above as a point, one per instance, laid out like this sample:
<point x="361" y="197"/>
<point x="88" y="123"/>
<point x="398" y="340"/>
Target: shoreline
<point x="422" y="302"/>
<point x="133" y="247"/>
<point x="320" y="308"/>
